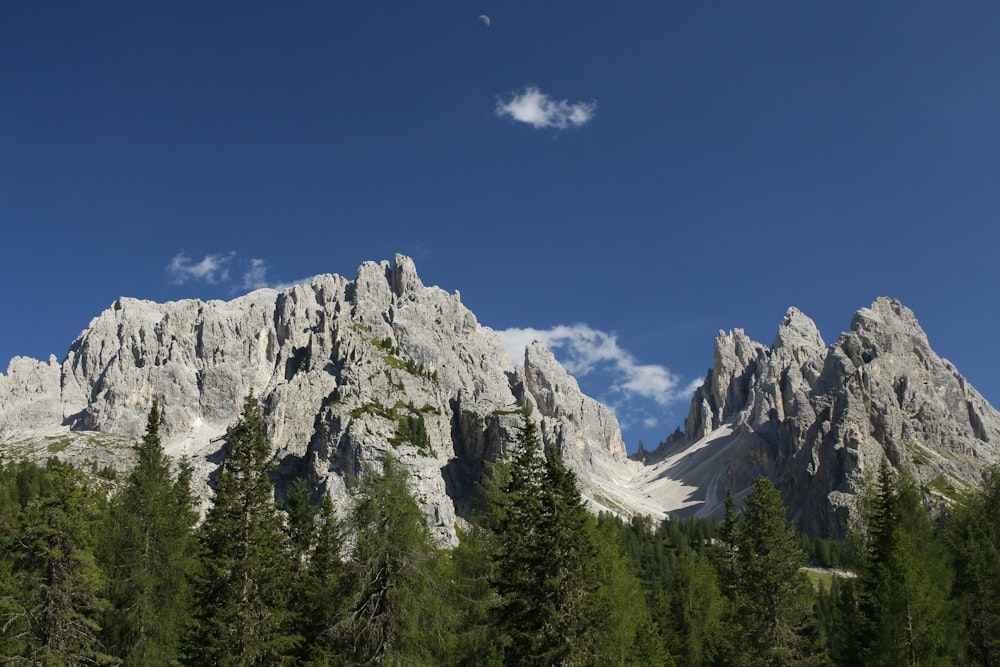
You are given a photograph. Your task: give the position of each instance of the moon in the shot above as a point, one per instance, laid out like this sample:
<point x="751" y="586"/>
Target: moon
<point x="485" y="19"/>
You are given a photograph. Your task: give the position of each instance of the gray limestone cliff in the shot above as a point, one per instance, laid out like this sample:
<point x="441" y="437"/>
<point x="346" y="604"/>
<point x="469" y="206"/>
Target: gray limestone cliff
<point x="347" y="371"/>
<point x="813" y="418"/>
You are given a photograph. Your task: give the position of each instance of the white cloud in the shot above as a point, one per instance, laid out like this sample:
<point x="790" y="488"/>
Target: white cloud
<point x="255" y="277"/>
<point x="210" y="269"/>
<point x="215" y="269"/>
<point x="583" y="350"/>
<point x="534" y="107"/>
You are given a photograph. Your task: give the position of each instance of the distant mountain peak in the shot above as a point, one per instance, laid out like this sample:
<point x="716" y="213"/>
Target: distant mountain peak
<point x="797" y="331"/>
<point x="813" y="419"/>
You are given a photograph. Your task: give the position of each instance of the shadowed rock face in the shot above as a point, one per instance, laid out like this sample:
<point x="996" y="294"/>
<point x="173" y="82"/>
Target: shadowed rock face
<point x="813" y="419"/>
<point x="344" y="369"/>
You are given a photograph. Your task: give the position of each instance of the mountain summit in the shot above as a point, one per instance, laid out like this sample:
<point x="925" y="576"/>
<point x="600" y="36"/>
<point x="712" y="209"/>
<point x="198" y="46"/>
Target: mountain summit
<point x="813" y="419"/>
<point x="348" y="371"/>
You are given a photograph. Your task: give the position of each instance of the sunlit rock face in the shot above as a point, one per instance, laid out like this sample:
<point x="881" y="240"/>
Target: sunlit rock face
<point x="813" y="418"/>
<point x="347" y="372"/>
<point x="351" y="371"/>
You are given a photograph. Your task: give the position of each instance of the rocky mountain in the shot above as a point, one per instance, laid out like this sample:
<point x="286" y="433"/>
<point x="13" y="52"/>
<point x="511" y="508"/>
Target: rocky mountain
<point x="813" y="418"/>
<point x="348" y="371"/>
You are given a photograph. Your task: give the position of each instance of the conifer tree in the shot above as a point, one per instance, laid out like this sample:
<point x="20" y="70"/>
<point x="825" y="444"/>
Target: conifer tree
<point x="323" y="593"/>
<point x="478" y="639"/>
<point x="649" y="648"/>
<point x="696" y="609"/>
<point x="391" y="604"/>
<point x="150" y="556"/>
<point x="545" y="559"/>
<point x="318" y="587"/>
<point x="901" y="610"/>
<point x="13" y="625"/>
<point x="727" y="550"/>
<point x="616" y="608"/>
<point x="302" y="524"/>
<point x="242" y="614"/>
<point x="52" y="587"/>
<point x="974" y="537"/>
<point x="772" y="598"/>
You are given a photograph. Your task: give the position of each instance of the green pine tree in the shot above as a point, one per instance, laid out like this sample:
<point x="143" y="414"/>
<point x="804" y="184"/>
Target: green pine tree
<point x="14" y="627"/>
<point x="50" y="584"/>
<point x="150" y="555"/>
<point x="974" y="537"/>
<point x="318" y="587"/>
<point x="392" y="601"/>
<point x="242" y="605"/>
<point x="772" y="599"/>
<point x="697" y="610"/>
<point x="901" y="611"/>
<point x="617" y="607"/>
<point x="478" y="639"/>
<point x="325" y="592"/>
<point x="302" y="524"/>
<point x="545" y="560"/>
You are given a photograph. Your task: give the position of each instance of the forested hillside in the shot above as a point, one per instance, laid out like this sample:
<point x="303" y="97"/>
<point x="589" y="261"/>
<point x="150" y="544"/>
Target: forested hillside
<point x="99" y="568"/>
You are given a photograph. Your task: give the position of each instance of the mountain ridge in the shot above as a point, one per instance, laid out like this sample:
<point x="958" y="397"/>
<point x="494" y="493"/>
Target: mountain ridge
<point x="349" y="371"/>
<point x="814" y="418"/>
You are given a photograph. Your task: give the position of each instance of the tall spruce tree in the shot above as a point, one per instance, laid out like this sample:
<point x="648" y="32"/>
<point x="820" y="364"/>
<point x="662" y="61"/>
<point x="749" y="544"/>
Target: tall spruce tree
<point x="696" y="610"/>
<point x="478" y="639"/>
<point x="617" y="609"/>
<point x="13" y="622"/>
<point x="900" y="612"/>
<point x="318" y="589"/>
<point x="51" y="598"/>
<point x="772" y="599"/>
<point x="150" y="555"/>
<point x="302" y="525"/>
<point x="242" y="607"/>
<point x="544" y="563"/>
<point x="974" y="538"/>
<point x="324" y="591"/>
<point x="392" y="602"/>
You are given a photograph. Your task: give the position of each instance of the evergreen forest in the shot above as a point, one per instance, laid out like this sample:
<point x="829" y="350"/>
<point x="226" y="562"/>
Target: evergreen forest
<point x="121" y="570"/>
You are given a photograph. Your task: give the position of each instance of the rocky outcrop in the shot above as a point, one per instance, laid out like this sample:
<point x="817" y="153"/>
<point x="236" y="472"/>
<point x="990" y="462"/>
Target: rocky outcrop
<point x="814" y="419"/>
<point x="29" y="395"/>
<point x="347" y="371"/>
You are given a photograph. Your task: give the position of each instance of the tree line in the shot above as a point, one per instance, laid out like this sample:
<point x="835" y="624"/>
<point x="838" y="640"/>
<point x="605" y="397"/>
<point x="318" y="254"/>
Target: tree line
<point x="95" y="573"/>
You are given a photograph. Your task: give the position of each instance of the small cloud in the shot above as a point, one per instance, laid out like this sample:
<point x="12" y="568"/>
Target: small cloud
<point x="255" y="276"/>
<point x="534" y="107"/>
<point x="210" y="269"/>
<point x="216" y="269"/>
<point x="583" y="350"/>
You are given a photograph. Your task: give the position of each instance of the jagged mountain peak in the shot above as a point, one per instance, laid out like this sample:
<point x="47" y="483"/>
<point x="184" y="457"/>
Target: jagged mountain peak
<point x="813" y="419"/>
<point x="797" y="332"/>
<point x="347" y="372"/>
<point x="557" y="396"/>
<point x="884" y="313"/>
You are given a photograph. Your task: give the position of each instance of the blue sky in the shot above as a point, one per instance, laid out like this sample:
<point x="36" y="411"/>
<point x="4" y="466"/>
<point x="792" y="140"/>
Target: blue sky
<point x="626" y="178"/>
